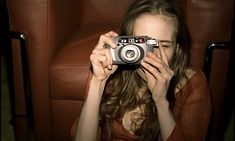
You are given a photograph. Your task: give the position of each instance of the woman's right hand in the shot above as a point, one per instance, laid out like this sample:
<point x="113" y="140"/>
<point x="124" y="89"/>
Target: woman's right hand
<point x="101" y="58"/>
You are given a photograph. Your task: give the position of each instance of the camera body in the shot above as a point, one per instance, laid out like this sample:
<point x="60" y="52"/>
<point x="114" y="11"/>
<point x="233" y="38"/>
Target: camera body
<point x="131" y="50"/>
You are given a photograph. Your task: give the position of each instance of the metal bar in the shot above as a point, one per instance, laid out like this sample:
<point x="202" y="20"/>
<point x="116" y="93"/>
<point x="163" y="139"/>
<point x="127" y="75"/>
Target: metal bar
<point x="26" y="81"/>
<point x="209" y="54"/>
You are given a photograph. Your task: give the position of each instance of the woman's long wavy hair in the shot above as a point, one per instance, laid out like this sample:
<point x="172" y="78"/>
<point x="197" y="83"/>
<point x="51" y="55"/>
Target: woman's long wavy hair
<point x="122" y="88"/>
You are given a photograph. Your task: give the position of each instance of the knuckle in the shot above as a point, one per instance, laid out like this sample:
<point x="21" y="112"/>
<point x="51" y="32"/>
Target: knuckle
<point x="93" y="51"/>
<point x="92" y="57"/>
<point x="102" y="37"/>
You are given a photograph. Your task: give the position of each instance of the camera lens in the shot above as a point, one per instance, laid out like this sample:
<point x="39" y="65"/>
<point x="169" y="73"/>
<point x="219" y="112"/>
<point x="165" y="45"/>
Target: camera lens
<point x="130" y="54"/>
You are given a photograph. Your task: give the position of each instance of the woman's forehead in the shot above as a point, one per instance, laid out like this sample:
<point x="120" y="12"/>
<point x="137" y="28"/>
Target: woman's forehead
<point x="155" y="25"/>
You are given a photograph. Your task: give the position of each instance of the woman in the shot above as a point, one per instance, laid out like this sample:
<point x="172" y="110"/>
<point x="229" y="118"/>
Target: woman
<point x="160" y="99"/>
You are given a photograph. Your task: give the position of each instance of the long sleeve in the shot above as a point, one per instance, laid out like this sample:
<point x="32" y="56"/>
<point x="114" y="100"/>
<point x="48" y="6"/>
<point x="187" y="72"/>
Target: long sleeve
<point x="192" y="111"/>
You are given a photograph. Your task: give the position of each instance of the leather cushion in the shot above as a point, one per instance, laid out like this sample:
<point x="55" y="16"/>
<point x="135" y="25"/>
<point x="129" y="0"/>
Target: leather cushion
<point x="70" y="69"/>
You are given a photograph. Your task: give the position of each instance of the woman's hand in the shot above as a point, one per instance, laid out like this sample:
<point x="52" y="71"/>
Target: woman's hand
<point x="101" y="57"/>
<point x="158" y="74"/>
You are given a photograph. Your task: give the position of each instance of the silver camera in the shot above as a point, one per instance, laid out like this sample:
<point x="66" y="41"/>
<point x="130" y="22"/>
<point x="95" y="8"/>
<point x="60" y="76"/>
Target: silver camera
<point x="131" y="49"/>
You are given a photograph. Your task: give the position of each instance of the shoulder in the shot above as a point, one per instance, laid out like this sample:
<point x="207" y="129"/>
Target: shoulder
<point x="195" y="89"/>
<point x="194" y="78"/>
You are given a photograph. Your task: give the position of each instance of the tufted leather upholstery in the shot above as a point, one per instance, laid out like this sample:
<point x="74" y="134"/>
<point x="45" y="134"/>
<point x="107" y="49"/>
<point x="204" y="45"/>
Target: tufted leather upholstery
<point x="61" y="35"/>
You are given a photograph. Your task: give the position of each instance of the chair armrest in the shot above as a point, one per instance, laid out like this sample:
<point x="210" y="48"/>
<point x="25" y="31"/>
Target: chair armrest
<point x="209" y="54"/>
<point x="217" y="67"/>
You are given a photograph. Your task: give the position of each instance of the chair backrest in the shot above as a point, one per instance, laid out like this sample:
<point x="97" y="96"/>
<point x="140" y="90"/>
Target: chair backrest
<point x="103" y="11"/>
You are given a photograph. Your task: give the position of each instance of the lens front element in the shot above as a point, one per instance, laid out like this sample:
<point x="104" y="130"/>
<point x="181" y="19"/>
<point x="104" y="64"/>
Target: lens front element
<point x="130" y="53"/>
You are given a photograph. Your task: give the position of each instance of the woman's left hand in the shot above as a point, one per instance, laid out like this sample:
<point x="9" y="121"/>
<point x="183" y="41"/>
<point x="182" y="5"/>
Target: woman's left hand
<point x="158" y="74"/>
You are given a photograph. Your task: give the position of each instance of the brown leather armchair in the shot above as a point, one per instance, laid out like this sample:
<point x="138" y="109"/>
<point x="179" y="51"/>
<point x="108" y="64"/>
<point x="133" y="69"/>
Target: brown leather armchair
<point x="60" y="36"/>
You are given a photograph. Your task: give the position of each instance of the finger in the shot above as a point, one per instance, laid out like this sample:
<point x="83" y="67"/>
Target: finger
<point x="148" y="74"/>
<point x="113" y="69"/>
<point x="162" y="65"/>
<point x="150" y="69"/>
<point x="106" y="39"/>
<point x="95" y="61"/>
<point x="109" y="58"/>
<point x="152" y="81"/>
<point x="157" y="68"/>
<point x="151" y="74"/>
<point x="104" y="52"/>
<point x="163" y="55"/>
<point x="111" y="34"/>
<point x="156" y="62"/>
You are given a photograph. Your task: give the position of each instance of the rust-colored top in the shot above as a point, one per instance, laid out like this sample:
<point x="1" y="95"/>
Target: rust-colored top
<point x="191" y="112"/>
